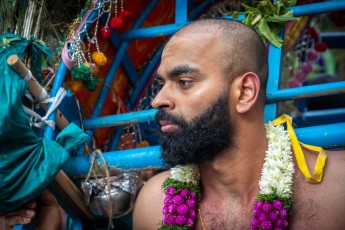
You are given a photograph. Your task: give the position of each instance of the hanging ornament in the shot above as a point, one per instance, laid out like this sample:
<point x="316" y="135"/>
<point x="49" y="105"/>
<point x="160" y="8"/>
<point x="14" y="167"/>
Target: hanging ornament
<point x="313" y="33"/>
<point x="307" y="67"/>
<point x="91" y="83"/>
<point x="81" y="72"/>
<point x="320" y="47"/>
<point x="99" y="58"/>
<point x="125" y="15"/>
<point x="105" y="32"/>
<point x="94" y="69"/>
<point x="116" y="23"/>
<point x="76" y="86"/>
<point x="312" y="55"/>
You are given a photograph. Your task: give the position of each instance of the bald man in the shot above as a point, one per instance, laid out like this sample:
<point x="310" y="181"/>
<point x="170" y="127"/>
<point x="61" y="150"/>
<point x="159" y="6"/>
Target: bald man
<point x="213" y="76"/>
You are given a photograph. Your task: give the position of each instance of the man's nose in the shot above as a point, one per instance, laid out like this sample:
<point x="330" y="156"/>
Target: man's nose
<point x="163" y="100"/>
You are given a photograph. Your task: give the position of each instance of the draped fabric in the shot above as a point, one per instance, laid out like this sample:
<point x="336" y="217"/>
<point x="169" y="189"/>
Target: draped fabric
<point x="28" y="163"/>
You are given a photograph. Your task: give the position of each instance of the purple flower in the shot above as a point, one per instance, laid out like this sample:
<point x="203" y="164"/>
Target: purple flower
<point x="168" y="200"/>
<point x="172" y="208"/>
<point x="170" y="220"/>
<point x="263" y="217"/>
<point x="171" y="191"/>
<point x="165" y="210"/>
<point x="285" y="224"/>
<point x="192" y="214"/>
<point x="177" y="199"/>
<point x="257" y="213"/>
<point x="266" y="225"/>
<point x="283" y="213"/>
<point x="192" y="195"/>
<point x="278" y="205"/>
<point x="180" y="220"/>
<point x="258" y="205"/>
<point x="191" y="203"/>
<point x="267" y="207"/>
<point x="185" y="192"/>
<point x="273" y="216"/>
<point x="164" y="219"/>
<point x="182" y="209"/>
<point x="279" y="223"/>
<point x="255" y="224"/>
<point x="190" y="223"/>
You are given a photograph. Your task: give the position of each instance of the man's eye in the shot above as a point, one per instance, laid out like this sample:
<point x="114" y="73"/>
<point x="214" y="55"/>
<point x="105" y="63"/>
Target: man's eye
<point x="185" y="83"/>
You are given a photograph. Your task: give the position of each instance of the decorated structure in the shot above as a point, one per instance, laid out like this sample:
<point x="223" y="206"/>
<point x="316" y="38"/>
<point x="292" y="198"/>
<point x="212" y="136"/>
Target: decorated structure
<point x="107" y="64"/>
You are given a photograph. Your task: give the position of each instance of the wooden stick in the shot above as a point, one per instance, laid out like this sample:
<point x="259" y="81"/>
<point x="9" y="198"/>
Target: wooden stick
<point x="73" y="194"/>
<point x="34" y="87"/>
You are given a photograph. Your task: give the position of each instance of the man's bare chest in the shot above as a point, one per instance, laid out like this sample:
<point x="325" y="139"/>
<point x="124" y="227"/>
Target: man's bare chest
<point x="223" y="216"/>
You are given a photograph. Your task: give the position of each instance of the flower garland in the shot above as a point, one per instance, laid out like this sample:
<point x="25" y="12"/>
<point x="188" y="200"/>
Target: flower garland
<point x="273" y="202"/>
<point x="182" y="194"/>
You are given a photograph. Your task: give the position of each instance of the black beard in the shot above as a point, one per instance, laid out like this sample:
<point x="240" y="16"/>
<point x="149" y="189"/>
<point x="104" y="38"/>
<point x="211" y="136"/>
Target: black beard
<point x="200" y="140"/>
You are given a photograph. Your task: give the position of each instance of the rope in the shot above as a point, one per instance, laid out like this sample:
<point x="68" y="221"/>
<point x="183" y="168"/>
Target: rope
<point x="96" y="153"/>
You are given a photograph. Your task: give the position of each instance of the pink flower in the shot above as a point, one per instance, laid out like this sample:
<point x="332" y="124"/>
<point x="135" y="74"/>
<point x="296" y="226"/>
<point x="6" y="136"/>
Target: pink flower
<point x="312" y="55"/>
<point x="306" y="67"/>
<point x="266" y="225"/>
<point x="293" y="83"/>
<point x="191" y="203"/>
<point x="180" y="220"/>
<point x="185" y="192"/>
<point x="178" y="199"/>
<point x="171" y="191"/>
<point x="300" y="75"/>
<point x="277" y="205"/>
<point x="182" y="209"/>
<point x="267" y="207"/>
<point x="255" y="224"/>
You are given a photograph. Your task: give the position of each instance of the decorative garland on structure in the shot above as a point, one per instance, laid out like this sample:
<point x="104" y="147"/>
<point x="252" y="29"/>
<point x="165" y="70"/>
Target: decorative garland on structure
<point x="274" y="201"/>
<point x="86" y="70"/>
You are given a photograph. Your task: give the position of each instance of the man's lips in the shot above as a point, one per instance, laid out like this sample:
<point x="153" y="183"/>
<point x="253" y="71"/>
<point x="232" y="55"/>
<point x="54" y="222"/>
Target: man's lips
<point x="168" y="126"/>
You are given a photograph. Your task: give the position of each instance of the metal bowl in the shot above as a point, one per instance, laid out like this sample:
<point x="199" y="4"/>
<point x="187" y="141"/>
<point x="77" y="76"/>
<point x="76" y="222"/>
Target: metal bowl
<point x="122" y="203"/>
<point x="122" y="192"/>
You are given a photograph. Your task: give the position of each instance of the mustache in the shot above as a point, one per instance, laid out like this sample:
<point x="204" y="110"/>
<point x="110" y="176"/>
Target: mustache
<point x="162" y="115"/>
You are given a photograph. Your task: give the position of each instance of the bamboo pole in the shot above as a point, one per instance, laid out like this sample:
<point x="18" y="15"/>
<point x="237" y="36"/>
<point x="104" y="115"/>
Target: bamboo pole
<point x="61" y="181"/>
<point x="73" y="194"/>
<point x="34" y="87"/>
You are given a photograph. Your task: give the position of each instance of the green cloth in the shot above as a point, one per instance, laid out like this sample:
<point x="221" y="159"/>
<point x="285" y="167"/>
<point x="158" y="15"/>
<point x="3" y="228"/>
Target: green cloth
<point x="28" y="164"/>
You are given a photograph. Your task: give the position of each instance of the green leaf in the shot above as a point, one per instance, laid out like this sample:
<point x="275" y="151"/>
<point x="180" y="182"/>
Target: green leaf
<point x="261" y="9"/>
<point x="280" y="18"/>
<point x="267" y="33"/>
<point x="280" y="8"/>
<point x="291" y="2"/>
<point x="249" y="8"/>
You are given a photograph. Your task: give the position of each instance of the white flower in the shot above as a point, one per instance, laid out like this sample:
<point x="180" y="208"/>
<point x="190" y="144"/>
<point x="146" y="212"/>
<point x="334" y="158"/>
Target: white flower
<point x="278" y="168"/>
<point x="186" y="173"/>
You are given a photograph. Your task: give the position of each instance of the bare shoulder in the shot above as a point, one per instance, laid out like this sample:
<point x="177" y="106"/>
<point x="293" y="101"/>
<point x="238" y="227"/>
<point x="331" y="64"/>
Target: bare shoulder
<point x="322" y="205"/>
<point x="334" y="171"/>
<point x="149" y="203"/>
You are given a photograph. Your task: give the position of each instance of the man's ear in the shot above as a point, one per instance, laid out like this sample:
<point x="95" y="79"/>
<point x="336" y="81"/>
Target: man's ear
<point x="248" y="87"/>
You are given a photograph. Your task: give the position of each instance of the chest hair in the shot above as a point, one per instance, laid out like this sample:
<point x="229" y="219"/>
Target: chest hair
<point x="220" y="217"/>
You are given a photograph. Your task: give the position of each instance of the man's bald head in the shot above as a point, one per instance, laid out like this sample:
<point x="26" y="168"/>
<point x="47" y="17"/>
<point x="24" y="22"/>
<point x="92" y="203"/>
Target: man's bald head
<point x="242" y="49"/>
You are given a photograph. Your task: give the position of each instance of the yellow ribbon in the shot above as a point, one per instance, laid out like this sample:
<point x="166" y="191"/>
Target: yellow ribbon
<point x="301" y="162"/>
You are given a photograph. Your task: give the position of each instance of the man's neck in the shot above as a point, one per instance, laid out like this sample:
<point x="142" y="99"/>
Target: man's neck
<point x="236" y="172"/>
